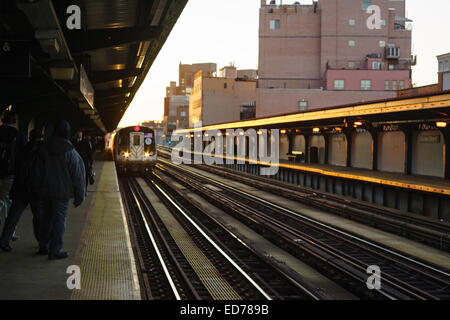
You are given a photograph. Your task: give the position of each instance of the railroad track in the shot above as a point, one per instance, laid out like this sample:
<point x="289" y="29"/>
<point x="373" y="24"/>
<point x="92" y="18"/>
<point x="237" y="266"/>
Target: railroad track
<point x="192" y="263"/>
<point x="338" y="254"/>
<point x="426" y="230"/>
<point x="162" y="275"/>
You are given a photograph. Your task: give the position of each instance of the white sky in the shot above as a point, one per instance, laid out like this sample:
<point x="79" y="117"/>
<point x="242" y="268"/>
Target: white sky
<point x="224" y="31"/>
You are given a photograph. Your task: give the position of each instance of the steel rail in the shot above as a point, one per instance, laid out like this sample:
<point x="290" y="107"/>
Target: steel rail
<point x="200" y="230"/>
<point x="342" y="233"/>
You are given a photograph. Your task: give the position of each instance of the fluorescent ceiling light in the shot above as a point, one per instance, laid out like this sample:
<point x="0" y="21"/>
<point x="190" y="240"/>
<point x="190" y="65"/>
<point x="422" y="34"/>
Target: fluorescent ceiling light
<point x="58" y="73"/>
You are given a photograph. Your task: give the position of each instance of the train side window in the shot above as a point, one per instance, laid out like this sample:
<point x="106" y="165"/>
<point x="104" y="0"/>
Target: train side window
<point x="137" y="140"/>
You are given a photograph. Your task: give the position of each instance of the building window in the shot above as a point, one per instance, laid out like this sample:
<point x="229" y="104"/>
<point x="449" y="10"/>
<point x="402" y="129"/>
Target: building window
<point x="351" y="64"/>
<point x="366" y="4"/>
<point x="391" y="67"/>
<point x="274" y="24"/>
<point x="402" y="84"/>
<point x="387" y="85"/>
<point x="376" y="65"/>
<point x="394" y="84"/>
<point x="351" y="43"/>
<point x="383" y="22"/>
<point x="441" y="66"/>
<point x="351" y="22"/>
<point x="303" y="105"/>
<point x="382" y="44"/>
<point x="366" y="84"/>
<point x="183" y="114"/>
<point x="225" y="85"/>
<point x="339" y="84"/>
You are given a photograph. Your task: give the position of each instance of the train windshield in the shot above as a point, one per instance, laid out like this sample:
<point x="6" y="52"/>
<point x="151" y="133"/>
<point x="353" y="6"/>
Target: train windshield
<point x="122" y="142"/>
<point x="136" y="140"/>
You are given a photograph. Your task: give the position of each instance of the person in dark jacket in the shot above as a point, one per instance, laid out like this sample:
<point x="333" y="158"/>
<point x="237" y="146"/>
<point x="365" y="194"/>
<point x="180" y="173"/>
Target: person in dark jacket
<point x="84" y="148"/>
<point x="65" y="180"/>
<point x="9" y="137"/>
<point x="20" y="199"/>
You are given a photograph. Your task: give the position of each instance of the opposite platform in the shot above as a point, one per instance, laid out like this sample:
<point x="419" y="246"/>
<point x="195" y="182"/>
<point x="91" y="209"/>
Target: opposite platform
<point x="97" y="241"/>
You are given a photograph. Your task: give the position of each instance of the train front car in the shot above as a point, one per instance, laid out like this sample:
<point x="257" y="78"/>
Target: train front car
<point x="135" y="149"/>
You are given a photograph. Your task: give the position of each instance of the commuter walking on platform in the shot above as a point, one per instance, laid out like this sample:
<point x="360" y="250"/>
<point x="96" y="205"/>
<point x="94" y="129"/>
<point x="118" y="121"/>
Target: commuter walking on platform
<point x="12" y="142"/>
<point x="21" y="196"/>
<point x="84" y="148"/>
<point x="65" y="179"/>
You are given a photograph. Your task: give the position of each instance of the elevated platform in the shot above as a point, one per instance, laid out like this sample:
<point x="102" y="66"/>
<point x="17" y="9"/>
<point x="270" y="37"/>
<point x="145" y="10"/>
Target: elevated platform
<point x="97" y="241"/>
<point x="422" y="195"/>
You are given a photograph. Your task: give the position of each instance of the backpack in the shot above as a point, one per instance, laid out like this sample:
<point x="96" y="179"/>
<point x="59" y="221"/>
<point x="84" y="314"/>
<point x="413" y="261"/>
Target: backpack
<point x="8" y="142"/>
<point x="34" y="171"/>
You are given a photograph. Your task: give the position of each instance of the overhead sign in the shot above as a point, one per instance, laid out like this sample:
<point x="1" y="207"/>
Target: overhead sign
<point x="15" y="59"/>
<point x="86" y="88"/>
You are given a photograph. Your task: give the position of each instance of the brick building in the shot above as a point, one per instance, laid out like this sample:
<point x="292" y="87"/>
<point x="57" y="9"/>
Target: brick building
<point x="324" y="54"/>
<point x="221" y="99"/>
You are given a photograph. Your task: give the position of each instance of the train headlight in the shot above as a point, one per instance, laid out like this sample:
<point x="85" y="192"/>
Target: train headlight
<point x="147" y="155"/>
<point x="126" y="154"/>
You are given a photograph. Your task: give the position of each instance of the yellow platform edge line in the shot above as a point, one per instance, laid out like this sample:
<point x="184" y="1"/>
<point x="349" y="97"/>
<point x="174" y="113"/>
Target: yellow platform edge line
<point x="134" y="283"/>
<point x="137" y="289"/>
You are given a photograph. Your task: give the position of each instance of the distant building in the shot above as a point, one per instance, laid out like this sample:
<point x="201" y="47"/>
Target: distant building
<point x="174" y="90"/>
<point x="442" y="85"/>
<point x="444" y="70"/>
<point x="221" y="99"/>
<point x="176" y="102"/>
<point x="171" y="106"/>
<point x="187" y="72"/>
<point x="324" y="54"/>
<point x="183" y="117"/>
<point x="249" y="74"/>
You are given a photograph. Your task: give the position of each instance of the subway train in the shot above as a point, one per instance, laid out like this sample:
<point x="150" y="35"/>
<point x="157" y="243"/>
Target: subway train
<point x="134" y="149"/>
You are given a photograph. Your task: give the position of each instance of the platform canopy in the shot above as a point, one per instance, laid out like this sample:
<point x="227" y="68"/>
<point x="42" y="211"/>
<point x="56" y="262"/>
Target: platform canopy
<point x="82" y="60"/>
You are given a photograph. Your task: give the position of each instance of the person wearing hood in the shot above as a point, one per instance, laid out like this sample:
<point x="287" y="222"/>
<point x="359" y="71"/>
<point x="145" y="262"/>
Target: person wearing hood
<point x="65" y="180"/>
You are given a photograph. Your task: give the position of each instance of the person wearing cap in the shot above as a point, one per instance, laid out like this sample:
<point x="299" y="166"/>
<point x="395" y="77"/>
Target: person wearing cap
<point x="65" y="180"/>
<point x="20" y="198"/>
